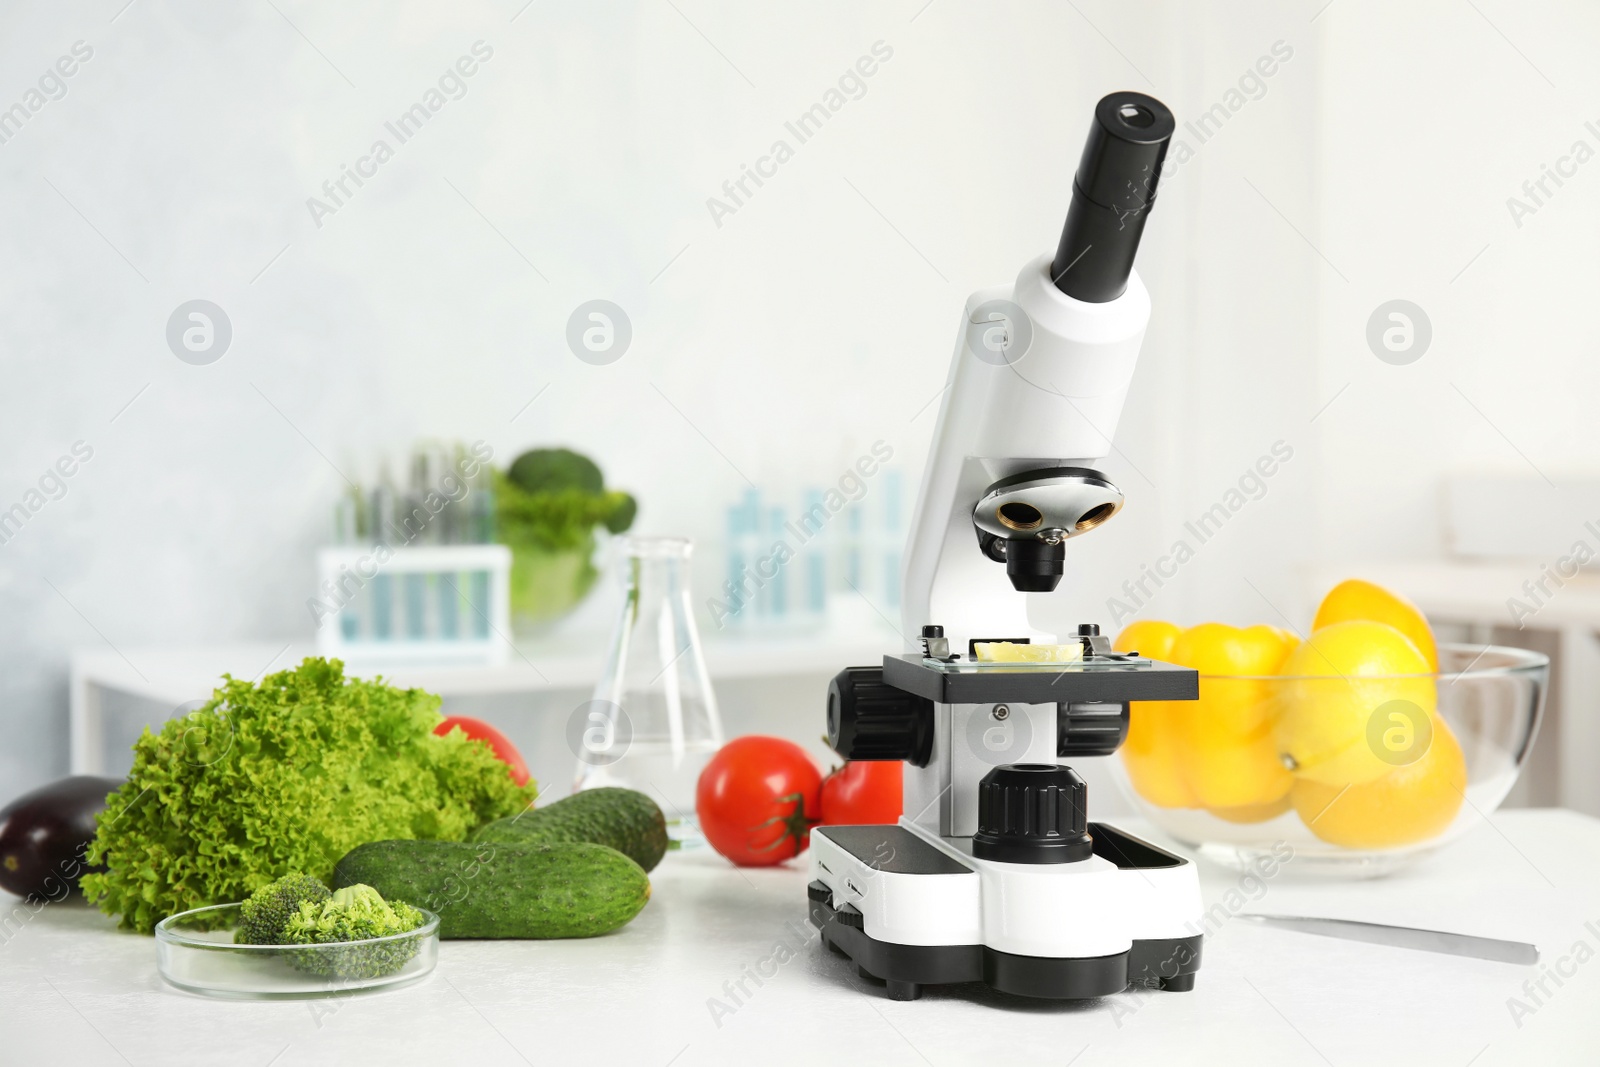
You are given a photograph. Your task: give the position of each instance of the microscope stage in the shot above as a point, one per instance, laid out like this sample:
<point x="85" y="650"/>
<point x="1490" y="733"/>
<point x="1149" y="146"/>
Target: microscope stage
<point x="1088" y="681"/>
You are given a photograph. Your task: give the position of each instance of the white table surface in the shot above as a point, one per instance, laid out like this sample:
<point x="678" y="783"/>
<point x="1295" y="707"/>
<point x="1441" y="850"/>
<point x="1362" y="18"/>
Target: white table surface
<point x="75" y="991"/>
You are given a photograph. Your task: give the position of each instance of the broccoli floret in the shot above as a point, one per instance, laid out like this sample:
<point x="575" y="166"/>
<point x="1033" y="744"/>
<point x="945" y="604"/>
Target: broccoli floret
<point x="622" y="514"/>
<point x="355" y="913"/>
<point x="264" y="917"/>
<point x="550" y="470"/>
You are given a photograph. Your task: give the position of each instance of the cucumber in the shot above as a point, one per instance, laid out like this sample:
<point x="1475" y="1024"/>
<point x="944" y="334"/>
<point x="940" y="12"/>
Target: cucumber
<point x="624" y="819"/>
<point x="489" y="889"/>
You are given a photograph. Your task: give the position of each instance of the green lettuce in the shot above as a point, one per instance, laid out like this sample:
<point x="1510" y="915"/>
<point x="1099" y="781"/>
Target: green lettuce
<point x="285" y="776"/>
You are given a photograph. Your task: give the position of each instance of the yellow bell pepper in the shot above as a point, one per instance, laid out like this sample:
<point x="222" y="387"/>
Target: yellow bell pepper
<point x="1150" y="752"/>
<point x="1217" y="752"/>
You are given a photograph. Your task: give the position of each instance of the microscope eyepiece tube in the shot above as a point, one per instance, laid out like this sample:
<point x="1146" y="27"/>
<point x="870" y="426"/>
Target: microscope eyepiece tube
<point x="1112" y="194"/>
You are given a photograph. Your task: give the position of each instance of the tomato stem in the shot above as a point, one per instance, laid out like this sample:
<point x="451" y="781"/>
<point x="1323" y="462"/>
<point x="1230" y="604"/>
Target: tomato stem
<point x="796" y="824"/>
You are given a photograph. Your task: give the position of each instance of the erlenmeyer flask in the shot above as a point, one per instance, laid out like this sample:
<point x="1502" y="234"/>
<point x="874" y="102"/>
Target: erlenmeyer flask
<point x="653" y="722"/>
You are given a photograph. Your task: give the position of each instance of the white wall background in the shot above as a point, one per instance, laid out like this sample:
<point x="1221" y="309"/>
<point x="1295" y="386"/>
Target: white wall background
<point x="1375" y="164"/>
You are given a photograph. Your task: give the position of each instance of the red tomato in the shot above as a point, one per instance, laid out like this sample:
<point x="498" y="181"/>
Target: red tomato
<point x="862" y="792"/>
<point x="479" y="730"/>
<point x="757" y="800"/>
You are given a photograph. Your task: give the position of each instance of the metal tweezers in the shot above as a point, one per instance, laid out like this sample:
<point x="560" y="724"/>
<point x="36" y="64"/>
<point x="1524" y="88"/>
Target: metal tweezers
<point x="1482" y="948"/>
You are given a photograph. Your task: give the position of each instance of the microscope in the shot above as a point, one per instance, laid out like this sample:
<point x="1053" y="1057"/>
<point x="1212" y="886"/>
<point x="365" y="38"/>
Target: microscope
<point x="994" y="872"/>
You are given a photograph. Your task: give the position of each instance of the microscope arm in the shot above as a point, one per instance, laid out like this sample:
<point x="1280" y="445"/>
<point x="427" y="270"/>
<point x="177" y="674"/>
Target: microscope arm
<point x="1057" y="404"/>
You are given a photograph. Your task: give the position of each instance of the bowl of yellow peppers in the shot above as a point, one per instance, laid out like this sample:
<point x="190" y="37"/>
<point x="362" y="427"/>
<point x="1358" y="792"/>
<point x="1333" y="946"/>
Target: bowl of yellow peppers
<point x="1360" y="746"/>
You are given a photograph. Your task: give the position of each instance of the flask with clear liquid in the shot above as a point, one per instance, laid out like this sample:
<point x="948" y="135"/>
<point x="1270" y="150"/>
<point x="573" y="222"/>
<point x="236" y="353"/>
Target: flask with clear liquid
<point x="653" y="722"/>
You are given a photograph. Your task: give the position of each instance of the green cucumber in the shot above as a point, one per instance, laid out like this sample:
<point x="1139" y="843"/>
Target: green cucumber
<point x="490" y="889"/>
<point x="624" y="819"/>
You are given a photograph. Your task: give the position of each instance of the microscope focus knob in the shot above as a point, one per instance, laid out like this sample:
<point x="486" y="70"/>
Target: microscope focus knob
<point x="869" y="719"/>
<point x="1032" y="813"/>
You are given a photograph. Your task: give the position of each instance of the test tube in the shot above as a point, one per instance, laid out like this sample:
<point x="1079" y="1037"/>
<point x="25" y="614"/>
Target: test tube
<point x="419" y="528"/>
<point x="383" y="515"/>
<point x="777" y="588"/>
<point x="347" y="531"/>
<point x="481" y="512"/>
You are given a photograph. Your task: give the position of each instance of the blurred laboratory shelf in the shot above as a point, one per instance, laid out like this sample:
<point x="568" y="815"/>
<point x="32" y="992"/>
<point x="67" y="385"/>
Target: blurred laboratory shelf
<point x="722" y="967"/>
<point x="180" y="675"/>
<point x="1562" y="620"/>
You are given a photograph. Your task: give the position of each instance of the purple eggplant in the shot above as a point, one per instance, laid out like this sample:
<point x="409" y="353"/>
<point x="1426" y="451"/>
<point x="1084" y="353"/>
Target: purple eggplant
<point x="44" y="836"/>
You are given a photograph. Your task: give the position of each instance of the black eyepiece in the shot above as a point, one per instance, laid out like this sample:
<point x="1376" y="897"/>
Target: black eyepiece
<point x="1112" y="194"/>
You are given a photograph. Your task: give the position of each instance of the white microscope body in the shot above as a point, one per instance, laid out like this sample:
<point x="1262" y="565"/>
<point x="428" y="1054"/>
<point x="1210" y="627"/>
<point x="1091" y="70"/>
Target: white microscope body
<point x="1055" y="404"/>
<point x="993" y="872"/>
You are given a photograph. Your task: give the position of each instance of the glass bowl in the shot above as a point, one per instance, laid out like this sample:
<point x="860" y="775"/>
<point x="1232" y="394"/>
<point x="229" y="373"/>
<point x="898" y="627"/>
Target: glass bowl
<point x="195" y="951"/>
<point x="1214" y="773"/>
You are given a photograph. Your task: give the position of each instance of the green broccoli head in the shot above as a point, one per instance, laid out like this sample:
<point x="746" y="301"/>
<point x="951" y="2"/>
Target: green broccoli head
<point x="264" y="917"/>
<point x="355" y="913"/>
<point x="550" y="470"/>
<point x="552" y="499"/>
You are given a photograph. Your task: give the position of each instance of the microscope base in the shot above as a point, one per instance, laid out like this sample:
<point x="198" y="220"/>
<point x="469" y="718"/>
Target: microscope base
<point x="915" y="878"/>
<point x="906" y="969"/>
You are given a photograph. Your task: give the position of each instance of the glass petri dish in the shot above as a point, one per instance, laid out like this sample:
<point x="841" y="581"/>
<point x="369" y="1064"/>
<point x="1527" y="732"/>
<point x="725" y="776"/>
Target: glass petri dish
<point x="195" y="951"/>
